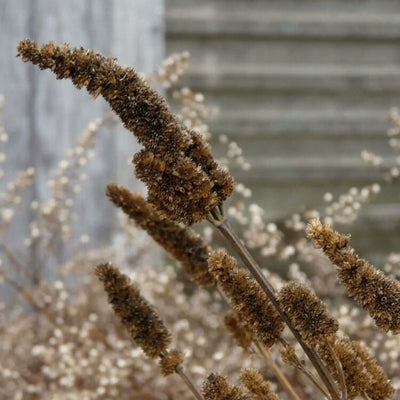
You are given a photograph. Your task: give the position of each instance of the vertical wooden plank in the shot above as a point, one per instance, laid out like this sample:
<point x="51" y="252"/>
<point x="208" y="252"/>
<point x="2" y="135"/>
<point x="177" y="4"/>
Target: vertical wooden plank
<point x="45" y="116"/>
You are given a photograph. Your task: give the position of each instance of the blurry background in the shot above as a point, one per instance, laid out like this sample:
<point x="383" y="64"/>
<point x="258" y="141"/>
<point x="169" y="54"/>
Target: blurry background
<point x="302" y="87"/>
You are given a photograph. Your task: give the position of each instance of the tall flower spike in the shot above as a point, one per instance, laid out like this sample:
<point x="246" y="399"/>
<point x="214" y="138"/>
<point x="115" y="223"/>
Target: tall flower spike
<point x="236" y="328"/>
<point x="380" y="386"/>
<point x="370" y="288"/>
<point x="217" y="388"/>
<point x="361" y="372"/>
<point x="145" y="327"/>
<point x="256" y="385"/>
<point x="247" y="298"/>
<point x="182" y="242"/>
<point x="308" y="313"/>
<point x="183" y="179"/>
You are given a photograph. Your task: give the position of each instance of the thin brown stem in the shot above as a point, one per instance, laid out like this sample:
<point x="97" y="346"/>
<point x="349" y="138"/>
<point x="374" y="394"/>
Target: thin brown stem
<point x="189" y="383"/>
<point x="218" y="220"/>
<point x="300" y="366"/>
<point x="287" y="386"/>
<point x="339" y="368"/>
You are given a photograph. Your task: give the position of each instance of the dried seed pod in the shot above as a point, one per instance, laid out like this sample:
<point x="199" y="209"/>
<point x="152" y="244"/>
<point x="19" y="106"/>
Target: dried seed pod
<point x="370" y="288"/>
<point x="247" y="298"/>
<point x="182" y="242"/>
<point x="145" y="327"/>
<point x="216" y="387"/>
<point x="308" y="313"/>
<point x="256" y="385"/>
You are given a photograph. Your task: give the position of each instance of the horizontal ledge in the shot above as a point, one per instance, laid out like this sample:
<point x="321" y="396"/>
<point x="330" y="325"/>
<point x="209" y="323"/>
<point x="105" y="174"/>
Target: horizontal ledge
<point x="311" y="123"/>
<point x="296" y="78"/>
<point x="315" y="26"/>
<point x="306" y="171"/>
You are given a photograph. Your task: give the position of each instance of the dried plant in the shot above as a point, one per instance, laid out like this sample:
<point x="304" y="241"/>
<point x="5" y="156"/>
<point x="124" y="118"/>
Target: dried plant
<point x="187" y="185"/>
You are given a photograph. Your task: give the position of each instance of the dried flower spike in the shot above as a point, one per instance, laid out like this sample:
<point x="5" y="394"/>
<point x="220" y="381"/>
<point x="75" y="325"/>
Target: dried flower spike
<point x="247" y="298"/>
<point x="370" y="288"/>
<point x="183" y="179"/>
<point x="308" y="313"/>
<point x="182" y="242"/>
<point x="236" y="328"/>
<point x="217" y="388"/>
<point x="256" y="385"/>
<point x="170" y="361"/>
<point x="380" y="386"/>
<point x="137" y="315"/>
<point x="362" y="374"/>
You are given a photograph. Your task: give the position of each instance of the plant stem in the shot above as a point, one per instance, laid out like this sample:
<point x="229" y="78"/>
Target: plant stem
<point x="189" y="383"/>
<point x="339" y="369"/>
<point x="277" y="371"/>
<point x="296" y="363"/>
<point x="217" y="218"/>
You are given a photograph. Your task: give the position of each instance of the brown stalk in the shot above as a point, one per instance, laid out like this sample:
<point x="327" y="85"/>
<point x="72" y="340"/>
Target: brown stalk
<point x="217" y="219"/>
<point x="277" y="371"/>
<point x="339" y="368"/>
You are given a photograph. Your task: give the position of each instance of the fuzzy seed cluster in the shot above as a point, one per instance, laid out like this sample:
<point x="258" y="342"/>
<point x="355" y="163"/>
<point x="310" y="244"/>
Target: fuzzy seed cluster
<point x="370" y="288"/>
<point x="247" y="298"/>
<point x="180" y="241"/>
<point x="183" y="179"/>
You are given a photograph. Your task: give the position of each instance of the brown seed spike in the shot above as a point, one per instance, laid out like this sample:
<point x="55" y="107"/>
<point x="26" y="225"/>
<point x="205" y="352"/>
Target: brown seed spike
<point x="380" y="387"/>
<point x="142" y="110"/>
<point x="370" y="288"/>
<point x="256" y="385"/>
<point x="247" y="298"/>
<point x="242" y="336"/>
<point x="181" y="242"/>
<point x="308" y="313"/>
<point x="170" y="361"/>
<point x="356" y="376"/>
<point x="145" y="327"/>
<point x="184" y="181"/>
<point x="217" y="388"/>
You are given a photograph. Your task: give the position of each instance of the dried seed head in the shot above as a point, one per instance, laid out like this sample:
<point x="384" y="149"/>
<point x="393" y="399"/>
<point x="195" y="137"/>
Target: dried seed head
<point x="170" y="361"/>
<point x="247" y="298"/>
<point x="307" y="312"/>
<point x="238" y="331"/>
<point x="217" y="388"/>
<point x="182" y="242"/>
<point x="370" y="288"/>
<point x="362" y="375"/>
<point x="180" y="189"/>
<point x="256" y="385"/>
<point x="183" y="179"/>
<point x="380" y="387"/>
<point x="137" y="315"/>
<point x="142" y="110"/>
<point x="356" y="377"/>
